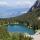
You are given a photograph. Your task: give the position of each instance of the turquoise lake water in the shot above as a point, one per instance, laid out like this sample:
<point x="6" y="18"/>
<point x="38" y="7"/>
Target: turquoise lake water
<point x="20" y="28"/>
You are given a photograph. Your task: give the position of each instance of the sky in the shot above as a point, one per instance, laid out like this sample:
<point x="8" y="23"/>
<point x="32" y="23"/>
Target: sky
<point x="9" y="8"/>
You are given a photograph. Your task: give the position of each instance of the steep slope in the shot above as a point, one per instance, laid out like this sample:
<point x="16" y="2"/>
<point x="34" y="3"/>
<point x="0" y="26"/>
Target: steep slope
<point x="36" y="5"/>
<point x="33" y="18"/>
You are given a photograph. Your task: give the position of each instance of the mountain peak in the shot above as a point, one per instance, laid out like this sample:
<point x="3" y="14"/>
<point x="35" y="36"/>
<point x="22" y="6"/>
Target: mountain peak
<point x="37" y="4"/>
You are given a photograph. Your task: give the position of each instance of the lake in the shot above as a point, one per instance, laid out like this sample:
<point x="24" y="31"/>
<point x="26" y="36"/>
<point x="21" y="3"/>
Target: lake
<point x="19" y="28"/>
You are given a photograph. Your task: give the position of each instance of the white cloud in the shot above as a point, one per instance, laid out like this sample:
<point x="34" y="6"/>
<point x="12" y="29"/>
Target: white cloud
<point x="14" y="4"/>
<point x="3" y="3"/>
<point x="23" y="3"/>
<point x="17" y="3"/>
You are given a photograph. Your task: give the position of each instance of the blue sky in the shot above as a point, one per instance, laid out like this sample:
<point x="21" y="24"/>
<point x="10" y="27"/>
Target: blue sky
<point x="10" y="5"/>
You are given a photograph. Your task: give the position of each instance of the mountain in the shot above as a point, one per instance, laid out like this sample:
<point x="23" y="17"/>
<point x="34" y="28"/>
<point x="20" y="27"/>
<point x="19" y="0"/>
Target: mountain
<point x="36" y="5"/>
<point x="32" y="18"/>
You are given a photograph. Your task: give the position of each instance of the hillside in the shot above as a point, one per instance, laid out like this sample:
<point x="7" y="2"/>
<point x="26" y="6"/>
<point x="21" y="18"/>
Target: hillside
<point x="30" y="18"/>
